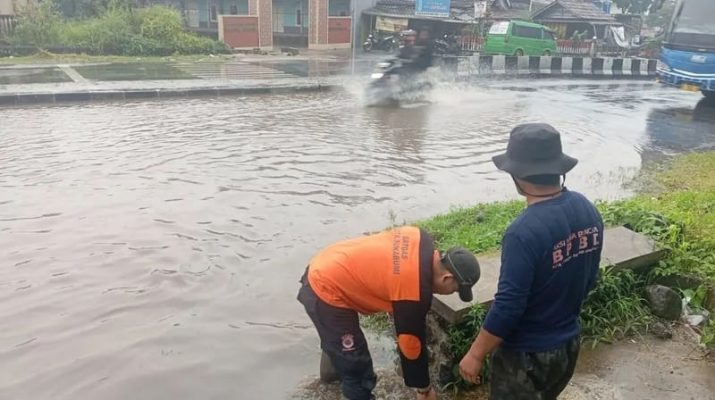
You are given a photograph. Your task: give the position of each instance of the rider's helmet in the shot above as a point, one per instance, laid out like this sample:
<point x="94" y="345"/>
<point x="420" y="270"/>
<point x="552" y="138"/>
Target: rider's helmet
<point x="408" y="37"/>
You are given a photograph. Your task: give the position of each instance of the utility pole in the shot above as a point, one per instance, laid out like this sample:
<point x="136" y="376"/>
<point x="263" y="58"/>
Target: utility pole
<point x="353" y="28"/>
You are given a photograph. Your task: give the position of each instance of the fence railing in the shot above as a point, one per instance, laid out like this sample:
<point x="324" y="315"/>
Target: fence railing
<point x="7" y="24"/>
<point x="573" y="47"/>
<point x="471" y="43"/>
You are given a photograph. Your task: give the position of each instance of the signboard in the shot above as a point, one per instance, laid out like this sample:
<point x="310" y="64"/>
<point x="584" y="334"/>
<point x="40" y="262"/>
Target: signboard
<point x="387" y="24"/>
<point x="339" y="30"/>
<point x="238" y="32"/>
<point x="499" y="28"/>
<point x="480" y="9"/>
<point x="432" y="8"/>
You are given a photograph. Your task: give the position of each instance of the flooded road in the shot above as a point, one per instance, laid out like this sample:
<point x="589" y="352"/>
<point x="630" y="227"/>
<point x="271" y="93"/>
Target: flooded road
<point x="151" y="250"/>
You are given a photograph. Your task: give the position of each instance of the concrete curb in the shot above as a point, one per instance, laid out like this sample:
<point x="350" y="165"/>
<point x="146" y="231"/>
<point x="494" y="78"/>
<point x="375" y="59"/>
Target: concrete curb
<point x="471" y="66"/>
<point x="12" y="99"/>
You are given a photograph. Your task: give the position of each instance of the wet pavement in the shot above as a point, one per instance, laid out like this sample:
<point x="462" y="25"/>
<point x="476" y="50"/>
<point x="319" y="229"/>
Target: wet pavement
<point x="643" y="369"/>
<point x="131" y="72"/>
<point x="239" y="69"/>
<point x="41" y="75"/>
<point x="152" y="248"/>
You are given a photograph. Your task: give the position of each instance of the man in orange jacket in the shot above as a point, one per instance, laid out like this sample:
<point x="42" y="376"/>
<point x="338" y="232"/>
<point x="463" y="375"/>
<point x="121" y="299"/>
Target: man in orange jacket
<point x="395" y="271"/>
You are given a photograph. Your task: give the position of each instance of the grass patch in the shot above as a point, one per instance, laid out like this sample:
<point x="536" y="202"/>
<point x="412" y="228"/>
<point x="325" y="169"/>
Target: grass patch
<point x="694" y="171"/>
<point x="616" y="308"/>
<point x="378" y="323"/>
<point x="679" y="214"/>
<point x="479" y="228"/>
<point x="460" y="340"/>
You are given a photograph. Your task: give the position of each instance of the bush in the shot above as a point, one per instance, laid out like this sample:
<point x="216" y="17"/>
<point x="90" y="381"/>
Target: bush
<point x="616" y="308"/>
<point x="38" y="25"/>
<point x="160" y="23"/>
<point x="461" y="337"/>
<point x="157" y="31"/>
<point x="108" y="34"/>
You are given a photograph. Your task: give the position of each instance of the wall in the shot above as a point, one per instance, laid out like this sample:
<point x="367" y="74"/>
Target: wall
<point x="339" y="30"/>
<point x="239" y="31"/>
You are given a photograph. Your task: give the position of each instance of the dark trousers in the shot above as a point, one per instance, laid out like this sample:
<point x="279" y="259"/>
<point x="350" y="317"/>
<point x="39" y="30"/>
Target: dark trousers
<point x="344" y="342"/>
<point x="532" y="376"/>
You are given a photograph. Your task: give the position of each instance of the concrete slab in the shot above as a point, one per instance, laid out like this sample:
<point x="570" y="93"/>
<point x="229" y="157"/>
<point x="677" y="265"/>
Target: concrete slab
<point x="453" y="310"/>
<point x="622" y="248"/>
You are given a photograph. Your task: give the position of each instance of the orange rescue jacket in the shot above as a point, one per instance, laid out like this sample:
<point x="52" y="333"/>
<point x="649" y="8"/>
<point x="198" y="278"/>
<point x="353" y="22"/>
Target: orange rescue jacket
<point x="390" y="271"/>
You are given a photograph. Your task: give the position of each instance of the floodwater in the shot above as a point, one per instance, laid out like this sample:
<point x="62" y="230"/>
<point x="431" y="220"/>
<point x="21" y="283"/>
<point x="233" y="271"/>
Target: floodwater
<point x="152" y="250"/>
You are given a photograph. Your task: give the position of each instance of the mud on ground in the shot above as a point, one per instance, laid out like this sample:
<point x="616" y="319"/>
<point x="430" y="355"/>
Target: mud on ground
<point x="641" y="368"/>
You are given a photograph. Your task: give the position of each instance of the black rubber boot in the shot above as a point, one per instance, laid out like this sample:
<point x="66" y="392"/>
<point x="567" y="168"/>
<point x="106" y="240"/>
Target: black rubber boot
<point x="328" y="373"/>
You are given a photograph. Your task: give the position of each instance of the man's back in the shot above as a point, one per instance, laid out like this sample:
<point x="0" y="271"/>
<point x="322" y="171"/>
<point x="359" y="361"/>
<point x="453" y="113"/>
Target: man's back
<point x="368" y="274"/>
<point x="550" y="260"/>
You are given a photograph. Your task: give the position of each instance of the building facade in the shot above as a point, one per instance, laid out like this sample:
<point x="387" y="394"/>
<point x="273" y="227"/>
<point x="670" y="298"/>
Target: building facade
<point x="271" y="23"/>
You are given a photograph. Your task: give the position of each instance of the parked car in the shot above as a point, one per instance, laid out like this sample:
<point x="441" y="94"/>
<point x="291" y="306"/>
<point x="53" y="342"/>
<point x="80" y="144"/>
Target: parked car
<point x="520" y="38"/>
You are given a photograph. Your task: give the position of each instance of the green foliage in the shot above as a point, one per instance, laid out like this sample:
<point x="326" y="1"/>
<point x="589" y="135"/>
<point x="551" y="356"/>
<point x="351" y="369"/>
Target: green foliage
<point x="696" y="298"/>
<point x="160" y="23"/>
<point x="378" y="322"/>
<point x="682" y="222"/>
<point x="707" y="337"/>
<point x="119" y="30"/>
<point x="109" y="34"/>
<point x="478" y="228"/>
<point x="616" y="308"/>
<point x="38" y="24"/>
<point x="79" y="9"/>
<point x="460" y="340"/>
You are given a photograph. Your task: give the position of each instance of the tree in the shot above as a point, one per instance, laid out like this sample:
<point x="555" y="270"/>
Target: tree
<point x="638" y="6"/>
<point x="661" y="18"/>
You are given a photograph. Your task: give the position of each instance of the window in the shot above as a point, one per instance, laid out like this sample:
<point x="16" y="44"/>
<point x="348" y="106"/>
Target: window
<point x="694" y="16"/>
<point x="213" y="13"/>
<point x="298" y="18"/>
<point x="499" y="28"/>
<point x="234" y="9"/>
<point x="526" y="32"/>
<point x="549" y="35"/>
<point x="338" y="8"/>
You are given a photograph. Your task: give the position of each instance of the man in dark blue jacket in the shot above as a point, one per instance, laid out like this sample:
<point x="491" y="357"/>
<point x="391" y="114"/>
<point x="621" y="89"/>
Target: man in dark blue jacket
<point x="550" y="259"/>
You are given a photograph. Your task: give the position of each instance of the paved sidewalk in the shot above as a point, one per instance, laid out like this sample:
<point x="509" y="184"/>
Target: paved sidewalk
<point x="24" y="84"/>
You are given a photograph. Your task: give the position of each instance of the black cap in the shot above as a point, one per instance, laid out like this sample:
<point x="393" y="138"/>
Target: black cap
<point x="534" y="149"/>
<point x="461" y="263"/>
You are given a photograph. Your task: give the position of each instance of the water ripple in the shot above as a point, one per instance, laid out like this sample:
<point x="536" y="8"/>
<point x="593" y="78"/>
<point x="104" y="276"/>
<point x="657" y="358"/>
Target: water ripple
<point x="130" y="239"/>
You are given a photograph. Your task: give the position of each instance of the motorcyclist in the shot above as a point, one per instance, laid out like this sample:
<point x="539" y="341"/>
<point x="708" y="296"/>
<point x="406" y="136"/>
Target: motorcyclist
<point x="425" y="49"/>
<point x="416" y="53"/>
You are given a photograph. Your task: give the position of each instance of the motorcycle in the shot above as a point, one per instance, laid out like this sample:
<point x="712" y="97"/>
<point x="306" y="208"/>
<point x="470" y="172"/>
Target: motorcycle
<point x="387" y="43"/>
<point x="447" y="45"/>
<point x="391" y="84"/>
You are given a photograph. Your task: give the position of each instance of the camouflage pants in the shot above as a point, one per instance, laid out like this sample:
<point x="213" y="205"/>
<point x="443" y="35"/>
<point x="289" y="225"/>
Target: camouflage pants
<point x="532" y="376"/>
